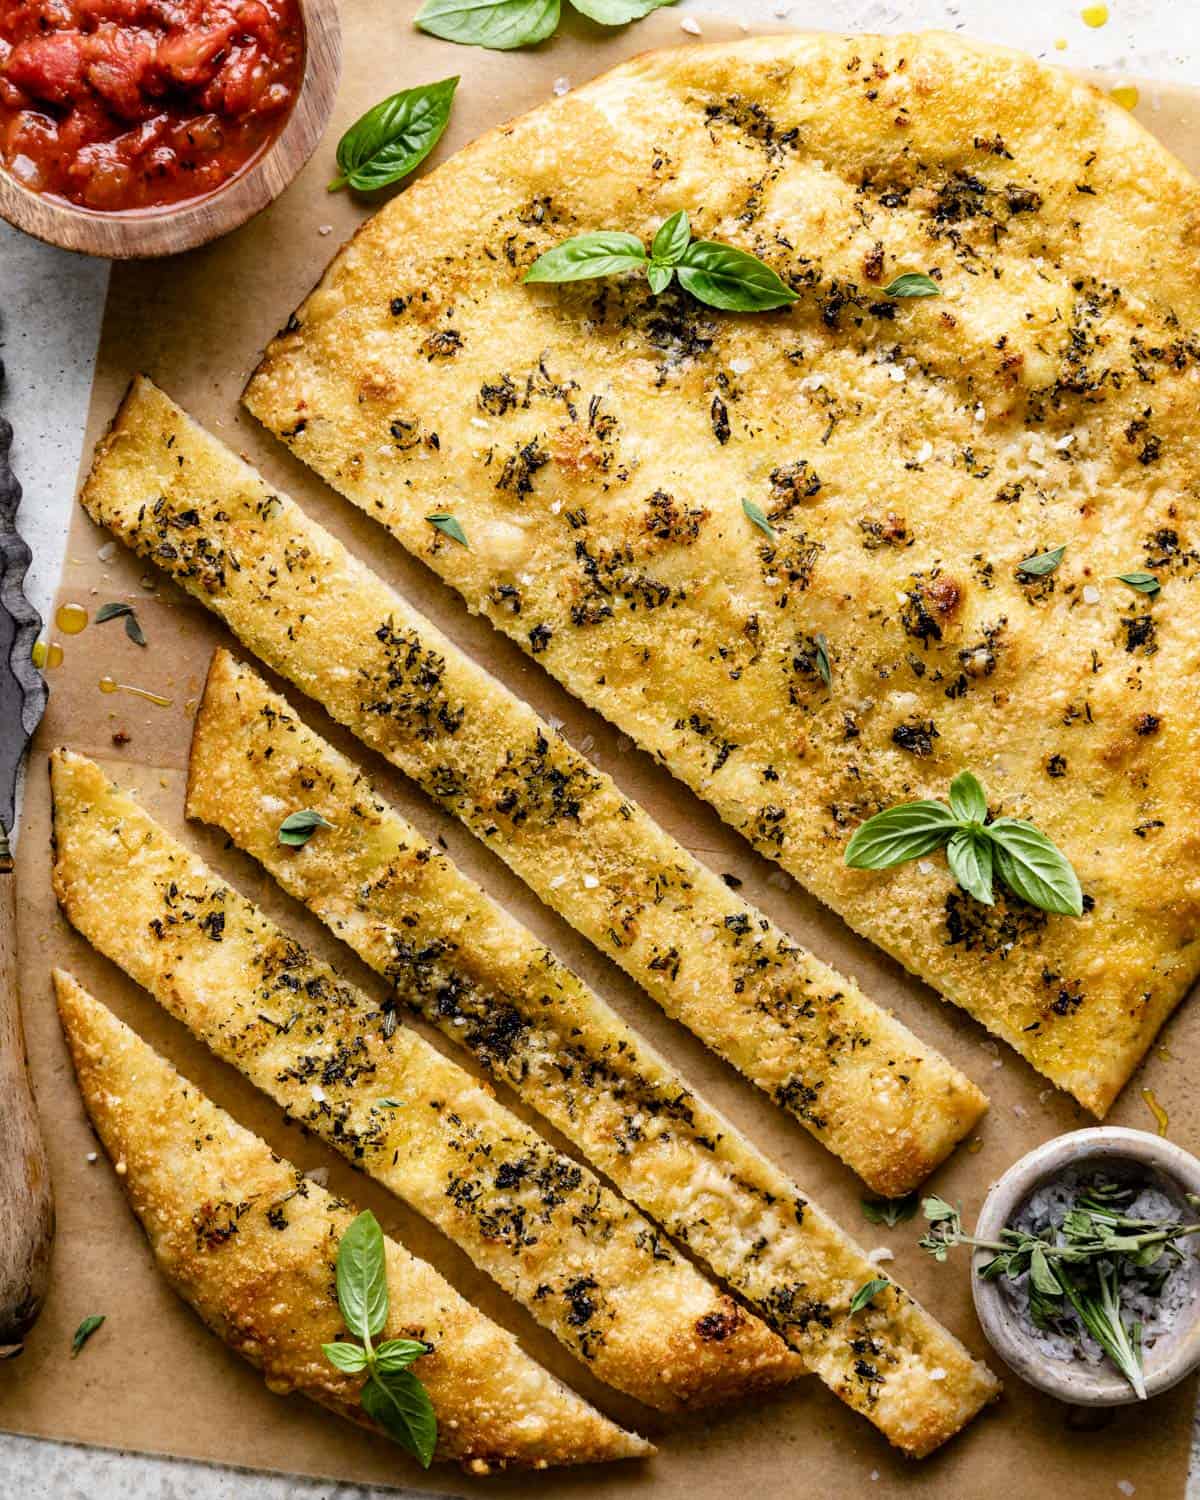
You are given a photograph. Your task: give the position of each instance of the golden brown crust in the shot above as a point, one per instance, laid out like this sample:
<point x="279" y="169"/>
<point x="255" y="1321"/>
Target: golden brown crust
<point x="249" y="1243"/>
<point x="856" y="1078"/>
<point x="465" y="965"/>
<point x="587" y="1266"/>
<point x="597" y="443"/>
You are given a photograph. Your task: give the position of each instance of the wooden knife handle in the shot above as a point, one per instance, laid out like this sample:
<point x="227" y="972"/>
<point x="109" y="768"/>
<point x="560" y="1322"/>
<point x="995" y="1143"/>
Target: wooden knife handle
<point x="26" y="1200"/>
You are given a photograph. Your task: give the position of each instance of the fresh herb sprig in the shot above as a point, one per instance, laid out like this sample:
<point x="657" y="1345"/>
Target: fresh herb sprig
<point x="716" y="274"/>
<point x="393" y="137"/>
<point x="504" y="24"/>
<point x="1096" y="1250"/>
<point x="392" y="1395"/>
<point x="890" y="1211"/>
<point x="1021" y="855"/>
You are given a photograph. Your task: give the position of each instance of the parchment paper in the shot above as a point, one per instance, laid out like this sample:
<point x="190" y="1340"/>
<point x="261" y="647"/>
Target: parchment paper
<point x="153" y="1379"/>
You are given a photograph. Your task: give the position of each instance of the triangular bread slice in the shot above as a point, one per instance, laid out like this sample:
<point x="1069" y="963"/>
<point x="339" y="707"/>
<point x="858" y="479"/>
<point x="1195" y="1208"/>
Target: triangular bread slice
<point x="192" y="1173"/>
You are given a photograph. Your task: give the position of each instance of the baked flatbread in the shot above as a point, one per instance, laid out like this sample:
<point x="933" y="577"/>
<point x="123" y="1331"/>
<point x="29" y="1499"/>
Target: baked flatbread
<point x="250" y="1243"/>
<point x="856" y="1078"/>
<point x="586" y="1265"/>
<point x="466" y="966"/>
<point x="596" y="443"/>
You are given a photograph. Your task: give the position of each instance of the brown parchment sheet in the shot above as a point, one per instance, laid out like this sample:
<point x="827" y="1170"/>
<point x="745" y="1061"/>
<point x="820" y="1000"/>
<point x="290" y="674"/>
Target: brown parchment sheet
<point x="153" y="1379"/>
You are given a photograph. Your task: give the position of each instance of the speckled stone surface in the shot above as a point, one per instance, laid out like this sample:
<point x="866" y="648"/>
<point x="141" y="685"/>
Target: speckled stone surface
<point x="50" y="308"/>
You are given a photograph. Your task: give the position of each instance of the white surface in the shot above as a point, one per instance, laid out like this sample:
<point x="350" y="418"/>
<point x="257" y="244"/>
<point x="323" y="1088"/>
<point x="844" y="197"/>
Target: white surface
<point x="51" y="305"/>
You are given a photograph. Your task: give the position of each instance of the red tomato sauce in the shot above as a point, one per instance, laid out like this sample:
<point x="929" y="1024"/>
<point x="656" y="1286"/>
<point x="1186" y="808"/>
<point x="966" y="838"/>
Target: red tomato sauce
<point x="138" y="104"/>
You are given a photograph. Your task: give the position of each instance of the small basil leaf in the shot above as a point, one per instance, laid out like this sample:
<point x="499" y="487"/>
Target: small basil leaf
<point x="1032" y="868"/>
<point x="756" y="514"/>
<point x="298" y="827"/>
<point x="659" y="277"/>
<point x="85" y="1330"/>
<point x="452" y="527"/>
<point x="362" y="1289"/>
<point x="723" y="276"/>
<point x="867" y="1292"/>
<point x="672" y="239"/>
<point x="969" y="855"/>
<point x="348" y="1357"/>
<point x="398" y="1354"/>
<point x="499" y="24"/>
<point x="823" y="666"/>
<point x="617" y="12"/>
<point x="608" y="252"/>
<point x="968" y="800"/>
<point x="1145" y="583"/>
<point x="1042" y="563"/>
<point x="394" y="136"/>
<point x="401" y="1406"/>
<point x="900" y="833"/>
<point x="890" y="1211"/>
<point x="913" y="284"/>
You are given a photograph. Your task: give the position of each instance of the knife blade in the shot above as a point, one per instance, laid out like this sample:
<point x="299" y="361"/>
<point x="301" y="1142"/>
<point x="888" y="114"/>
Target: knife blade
<point x="26" y="1199"/>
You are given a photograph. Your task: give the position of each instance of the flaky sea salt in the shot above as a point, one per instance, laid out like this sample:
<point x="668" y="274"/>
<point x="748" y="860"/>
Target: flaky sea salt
<point x="924" y="453"/>
<point x="107" y="552"/>
<point x="1091" y="594"/>
<point x="691" y="26"/>
<point x="562" y="86"/>
<point x="590" y="882"/>
<point x="880" y="1255"/>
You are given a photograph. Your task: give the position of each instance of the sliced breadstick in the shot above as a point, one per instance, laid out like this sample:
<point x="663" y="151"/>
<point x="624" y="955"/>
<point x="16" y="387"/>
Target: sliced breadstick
<point x="587" y="1265"/>
<point x="857" y="1079"/>
<point x="460" y="961"/>
<point x="250" y="1244"/>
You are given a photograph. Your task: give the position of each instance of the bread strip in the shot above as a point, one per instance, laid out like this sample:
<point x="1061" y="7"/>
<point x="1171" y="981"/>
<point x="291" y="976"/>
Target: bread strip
<point x="249" y="1243"/>
<point x="857" y="1079"/>
<point x="465" y="965"/>
<point x="588" y="1267"/>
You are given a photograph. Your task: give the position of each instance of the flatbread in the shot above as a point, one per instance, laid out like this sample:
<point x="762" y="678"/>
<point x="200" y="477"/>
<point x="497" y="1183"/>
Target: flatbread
<point x="597" y="443"/>
<point x="586" y="1265"/>
<point x="250" y="1243"/>
<point x="854" y="1076"/>
<point x="469" y="968"/>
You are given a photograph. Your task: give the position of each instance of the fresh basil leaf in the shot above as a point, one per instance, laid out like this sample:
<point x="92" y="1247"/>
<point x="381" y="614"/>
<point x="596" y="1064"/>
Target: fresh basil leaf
<point x="1041" y="563"/>
<point x="672" y="238"/>
<point x="1032" y="868"/>
<point x="756" y="514"/>
<point x="969" y="855"/>
<point x="398" y="1354"/>
<point x="823" y="666"/>
<point x="900" y="833"/>
<point x="452" y="527"/>
<point x="498" y="24"/>
<point x="348" y="1357"/>
<point x="394" y="136"/>
<point x="85" y="1331"/>
<point x="866" y="1292"/>
<point x="890" y="1211"/>
<point x="617" y="12"/>
<point x="968" y="800"/>
<point x="659" y="277"/>
<point x="1144" y="583"/>
<point x="298" y="827"/>
<point x="608" y="252"/>
<point x="362" y="1288"/>
<point x="401" y="1406"/>
<point x="725" y="277"/>
<point x="913" y="284"/>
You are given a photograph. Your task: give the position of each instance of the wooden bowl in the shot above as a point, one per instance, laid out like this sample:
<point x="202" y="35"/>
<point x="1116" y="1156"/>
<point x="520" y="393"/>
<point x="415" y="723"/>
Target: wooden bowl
<point x="166" y="231"/>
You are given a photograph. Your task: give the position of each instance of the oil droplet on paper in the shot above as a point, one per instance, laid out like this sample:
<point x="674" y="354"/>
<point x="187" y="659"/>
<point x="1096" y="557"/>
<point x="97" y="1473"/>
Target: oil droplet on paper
<point x="1060" y="44"/>
<point x="1094" y="15"/>
<point x="975" y="1147"/>
<point x="47" y="654"/>
<point x="71" y="618"/>
<point x="1125" y="94"/>
<point x="111" y="685"/>
<point x="1161" y="1118"/>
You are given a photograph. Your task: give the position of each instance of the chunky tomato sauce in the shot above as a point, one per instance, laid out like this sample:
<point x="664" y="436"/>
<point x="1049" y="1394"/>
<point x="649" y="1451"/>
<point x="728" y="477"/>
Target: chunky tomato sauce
<point x="137" y="104"/>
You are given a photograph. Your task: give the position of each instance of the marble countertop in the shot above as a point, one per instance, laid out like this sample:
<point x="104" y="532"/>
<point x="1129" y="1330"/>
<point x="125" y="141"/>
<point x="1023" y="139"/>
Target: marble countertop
<point x="51" y="303"/>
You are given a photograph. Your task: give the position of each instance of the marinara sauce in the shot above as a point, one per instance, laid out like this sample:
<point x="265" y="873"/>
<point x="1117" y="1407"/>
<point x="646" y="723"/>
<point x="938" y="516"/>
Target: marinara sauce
<point x="138" y="104"/>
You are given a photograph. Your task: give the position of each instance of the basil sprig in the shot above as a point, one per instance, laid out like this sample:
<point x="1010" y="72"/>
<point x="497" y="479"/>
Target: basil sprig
<point x="718" y="275"/>
<point x="1018" y="853"/>
<point x="504" y="24"/>
<point x="393" y="137"/>
<point x="392" y="1395"/>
